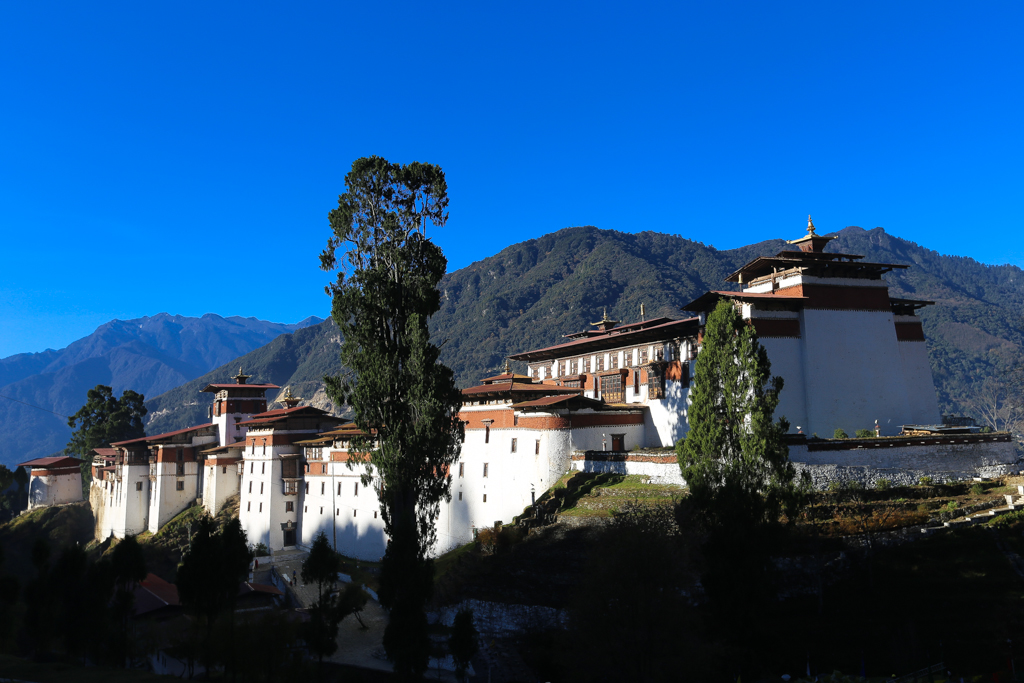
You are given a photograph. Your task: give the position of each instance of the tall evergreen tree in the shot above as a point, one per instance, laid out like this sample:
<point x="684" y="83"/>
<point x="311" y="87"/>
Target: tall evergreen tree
<point x="105" y="419"/>
<point x="734" y="458"/>
<point x="386" y="289"/>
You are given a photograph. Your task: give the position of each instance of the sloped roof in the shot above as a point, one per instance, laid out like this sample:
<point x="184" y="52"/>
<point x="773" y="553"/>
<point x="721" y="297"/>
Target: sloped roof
<point x="52" y="463"/>
<point x="165" y="435"/>
<point x="610" y="339"/>
<point x="560" y="401"/>
<point x="217" y="387"/>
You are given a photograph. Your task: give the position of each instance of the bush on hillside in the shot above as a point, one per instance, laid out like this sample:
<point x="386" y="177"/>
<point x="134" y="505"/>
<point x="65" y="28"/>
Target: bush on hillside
<point x="840" y="434"/>
<point x="865" y="433"/>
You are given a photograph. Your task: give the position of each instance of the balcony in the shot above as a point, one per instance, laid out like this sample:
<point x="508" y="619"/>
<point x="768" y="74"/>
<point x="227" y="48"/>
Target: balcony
<point x="291" y="487"/>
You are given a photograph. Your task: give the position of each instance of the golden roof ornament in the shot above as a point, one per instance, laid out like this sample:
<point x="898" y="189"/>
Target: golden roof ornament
<point x="241" y="377"/>
<point x="289" y="400"/>
<point x="508" y="367"/>
<point x="810" y="226"/>
<point x="606" y="323"/>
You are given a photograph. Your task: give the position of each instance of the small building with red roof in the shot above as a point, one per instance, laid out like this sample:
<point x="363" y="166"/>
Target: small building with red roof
<point x="53" y="481"/>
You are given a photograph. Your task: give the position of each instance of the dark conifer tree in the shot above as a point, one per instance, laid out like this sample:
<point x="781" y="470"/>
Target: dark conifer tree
<point x="386" y="289"/>
<point x="734" y="458"/>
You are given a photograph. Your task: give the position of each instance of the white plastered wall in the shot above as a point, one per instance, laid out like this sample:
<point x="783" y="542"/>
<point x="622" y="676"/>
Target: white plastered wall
<point x="853" y="372"/>
<point x="54" y="489"/>
<point x="923" y="402"/>
<point x="665" y="419"/>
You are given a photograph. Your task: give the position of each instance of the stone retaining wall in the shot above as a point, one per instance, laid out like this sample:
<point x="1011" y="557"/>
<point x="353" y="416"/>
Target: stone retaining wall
<point x="901" y="460"/>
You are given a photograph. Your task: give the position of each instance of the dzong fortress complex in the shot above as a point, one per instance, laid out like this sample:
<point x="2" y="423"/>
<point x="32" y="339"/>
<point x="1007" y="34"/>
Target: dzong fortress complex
<point x="613" y="398"/>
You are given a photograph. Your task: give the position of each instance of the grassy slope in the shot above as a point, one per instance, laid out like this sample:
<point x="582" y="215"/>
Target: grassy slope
<point x="60" y="526"/>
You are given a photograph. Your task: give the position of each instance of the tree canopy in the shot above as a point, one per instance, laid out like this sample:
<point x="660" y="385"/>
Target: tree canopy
<point x="384" y="294"/>
<point x="105" y="419"/>
<point x="734" y="458"/>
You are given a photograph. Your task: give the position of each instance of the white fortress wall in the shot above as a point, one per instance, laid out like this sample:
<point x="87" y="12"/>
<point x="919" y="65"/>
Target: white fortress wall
<point x="785" y="353"/>
<point x="221" y="481"/>
<point x="923" y="401"/>
<point x="854" y="371"/>
<point x="54" y="489"/>
<point x="665" y="419"/>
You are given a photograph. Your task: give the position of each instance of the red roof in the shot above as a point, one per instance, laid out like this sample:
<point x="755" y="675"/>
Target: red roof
<point x="52" y="463"/>
<point x="555" y="400"/>
<point x="157" y="437"/>
<point x="519" y="387"/>
<point x="153" y="593"/>
<point x="217" y="387"/>
<point x="247" y="588"/>
<point x="105" y="452"/>
<point x="613" y="336"/>
<point x="281" y="413"/>
<point x="509" y="376"/>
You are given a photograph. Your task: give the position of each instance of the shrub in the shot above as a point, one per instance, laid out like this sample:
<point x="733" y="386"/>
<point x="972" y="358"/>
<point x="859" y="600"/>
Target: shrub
<point x="853" y="485"/>
<point x="865" y="433"/>
<point x="986" y="430"/>
<point x="835" y="485"/>
<point x="952" y="505"/>
<point x="882" y="484"/>
<point x="925" y="481"/>
<point x="840" y="434"/>
<point x="977" y="489"/>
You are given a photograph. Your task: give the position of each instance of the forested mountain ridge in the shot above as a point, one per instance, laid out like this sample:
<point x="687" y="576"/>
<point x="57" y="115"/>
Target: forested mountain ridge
<point x="530" y="294"/>
<point x="150" y="355"/>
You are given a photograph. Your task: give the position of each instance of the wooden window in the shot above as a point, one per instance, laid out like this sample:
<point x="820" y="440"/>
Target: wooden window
<point x="224" y="469"/>
<point x="536" y="447"/>
<point x="354" y="512"/>
<point x="261" y="488"/>
<point x="611" y="388"/>
<point x="263" y="468"/>
<point x="375" y="514"/>
<point x="252" y="464"/>
<point x="289" y="468"/>
<point x="485" y="469"/>
<point x="307" y="487"/>
<point x="614" y="358"/>
<point x="248" y="506"/>
<point x="180" y="469"/>
<point x="487" y="433"/>
<point x="572" y="383"/>
<point x="485" y="497"/>
<point x="462" y="469"/>
<point x="261" y="507"/>
<point x="600" y="363"/>
<point x="355" y="489"/>
<point x="181" y="486"/>
<point x="322" y="487"/>
<point x="250" y="487"/>
<point x="514" y="442"/>
<point x="138" y="486"/>
<point x="586" y="364"/>
<point x="636" y="382"/>
<point x="339" y="488"/>
<point x="289" y="506"/>
<point x="460" y="495"/>
<point x="655" y="385"/>
<point x="321" y="509"/>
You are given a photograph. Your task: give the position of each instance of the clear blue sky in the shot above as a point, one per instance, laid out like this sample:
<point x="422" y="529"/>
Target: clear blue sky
<point x="148" y="150"/>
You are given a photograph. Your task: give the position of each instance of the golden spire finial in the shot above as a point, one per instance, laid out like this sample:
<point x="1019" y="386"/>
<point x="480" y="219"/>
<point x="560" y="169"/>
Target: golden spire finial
<point x="810" y="225"/>
<point x="508" y="367"/>
<point x="241" y="376"/>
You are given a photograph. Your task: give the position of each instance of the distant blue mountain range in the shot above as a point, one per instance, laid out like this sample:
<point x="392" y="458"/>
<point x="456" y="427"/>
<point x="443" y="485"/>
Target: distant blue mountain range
<point x="150" y="355"/>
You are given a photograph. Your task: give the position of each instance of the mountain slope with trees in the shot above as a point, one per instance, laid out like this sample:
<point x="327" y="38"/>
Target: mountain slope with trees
<point x="531" y="293"/>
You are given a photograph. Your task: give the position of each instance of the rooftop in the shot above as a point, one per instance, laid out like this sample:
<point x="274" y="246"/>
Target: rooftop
<point x="635" y="333"/>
